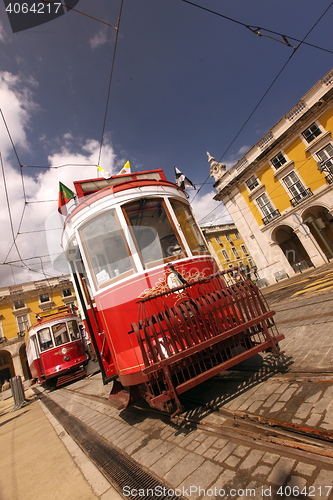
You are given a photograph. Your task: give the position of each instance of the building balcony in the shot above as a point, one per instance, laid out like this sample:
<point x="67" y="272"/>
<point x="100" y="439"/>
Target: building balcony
<point x="271" y="216"/>
<point x="329" y="178"/>
<point x="301" y="197"/>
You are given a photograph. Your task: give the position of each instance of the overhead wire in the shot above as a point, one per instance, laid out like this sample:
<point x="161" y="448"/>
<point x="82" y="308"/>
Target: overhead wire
<point x="50" y="167"/>
<point x="110" y="81"/>
<point x="14" y="244"/>
<point x="80" y="12"/>
<point x="253" y="29"/>
<point x="265" y="93"/>
<point x="258" y="30"/>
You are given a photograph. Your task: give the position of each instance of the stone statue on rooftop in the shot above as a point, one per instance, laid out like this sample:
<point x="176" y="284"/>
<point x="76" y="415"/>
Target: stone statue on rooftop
<point x="217" y="170"/>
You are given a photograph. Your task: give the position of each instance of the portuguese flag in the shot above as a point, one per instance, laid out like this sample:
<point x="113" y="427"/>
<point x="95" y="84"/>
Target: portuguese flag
<point x="65" y="195"/>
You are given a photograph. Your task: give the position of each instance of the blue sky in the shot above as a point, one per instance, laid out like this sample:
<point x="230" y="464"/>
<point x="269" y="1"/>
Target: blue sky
<point x="185" y="81"/>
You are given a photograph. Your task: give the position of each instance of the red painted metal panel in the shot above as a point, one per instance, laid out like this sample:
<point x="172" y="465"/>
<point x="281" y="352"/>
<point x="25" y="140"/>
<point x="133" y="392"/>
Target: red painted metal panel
<point x="53" y="360"/>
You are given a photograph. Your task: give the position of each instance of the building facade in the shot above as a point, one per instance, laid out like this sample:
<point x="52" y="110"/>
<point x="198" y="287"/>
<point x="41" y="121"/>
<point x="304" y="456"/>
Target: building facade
<point x="280" y="194"/>
<point x="228" y="247"/>
<point x="19" y="305"/>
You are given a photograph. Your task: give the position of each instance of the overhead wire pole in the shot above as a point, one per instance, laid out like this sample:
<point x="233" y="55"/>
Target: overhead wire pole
<point x="110" y="81"/>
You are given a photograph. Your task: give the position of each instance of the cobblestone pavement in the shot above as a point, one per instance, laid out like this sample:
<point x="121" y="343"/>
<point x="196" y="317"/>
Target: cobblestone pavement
<point x="201" y="464"/>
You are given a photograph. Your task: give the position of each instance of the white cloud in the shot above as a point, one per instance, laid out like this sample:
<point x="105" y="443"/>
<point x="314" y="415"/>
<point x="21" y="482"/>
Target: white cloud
<point x="42" y="203"/>
<point x="33" y="200"/>
<point x="16" y="105"/>
<point x="3" y="35"/>
<point x="243" y="150"/>
<point x="99" y="39"/>
<point x="208" y="211"/>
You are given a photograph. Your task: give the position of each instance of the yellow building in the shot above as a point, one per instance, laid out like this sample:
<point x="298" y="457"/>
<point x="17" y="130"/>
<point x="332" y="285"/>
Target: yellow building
<point x="228" y="247"/>
<point x="18" y="307"/>
<point x="280" y="194"/>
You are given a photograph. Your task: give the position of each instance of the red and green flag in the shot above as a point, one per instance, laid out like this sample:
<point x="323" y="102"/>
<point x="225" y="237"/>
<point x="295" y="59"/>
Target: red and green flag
<point x="65" y="195"/>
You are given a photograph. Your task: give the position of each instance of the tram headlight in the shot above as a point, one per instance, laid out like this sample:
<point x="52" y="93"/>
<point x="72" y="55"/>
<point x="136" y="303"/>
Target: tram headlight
<point x="66" y="358"/>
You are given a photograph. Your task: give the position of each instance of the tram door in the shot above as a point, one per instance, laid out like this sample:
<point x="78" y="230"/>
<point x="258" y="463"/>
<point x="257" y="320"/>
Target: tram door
<point x="94" y="325"/>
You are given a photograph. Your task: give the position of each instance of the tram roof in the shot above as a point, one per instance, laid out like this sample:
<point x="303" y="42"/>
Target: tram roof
<point x="90" y="186"/>
<point x="51" y="315"/>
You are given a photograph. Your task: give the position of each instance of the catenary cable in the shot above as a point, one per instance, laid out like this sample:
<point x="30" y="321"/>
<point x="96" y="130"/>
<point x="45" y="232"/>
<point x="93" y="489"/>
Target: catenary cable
<point x="110" y="81"/>
<point x="257" y="30"/>
<point x="266" y="92"/>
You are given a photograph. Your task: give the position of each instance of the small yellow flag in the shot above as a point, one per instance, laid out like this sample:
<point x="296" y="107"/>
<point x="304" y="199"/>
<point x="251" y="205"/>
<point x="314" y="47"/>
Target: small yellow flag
<point x="126" y="169"/>
<point x="103" y="172"/>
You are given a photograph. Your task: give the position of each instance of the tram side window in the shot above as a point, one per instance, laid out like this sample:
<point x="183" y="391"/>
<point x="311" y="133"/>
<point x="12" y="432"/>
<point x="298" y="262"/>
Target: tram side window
<point x="60" y="333"/>
<point x="45" y="339"/>
<point x="73" y="330"/>
<point x="152" y="231"/>
<point x="106" y="249"/>
<point x="189" y="227"/>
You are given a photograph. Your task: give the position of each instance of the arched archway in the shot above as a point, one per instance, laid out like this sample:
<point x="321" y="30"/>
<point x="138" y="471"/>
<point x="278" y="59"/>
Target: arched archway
<point x="320" y="222"/>
<point x="6" y="366"/>
<point x="24" y="362"/>
<point x="292" y="248"/>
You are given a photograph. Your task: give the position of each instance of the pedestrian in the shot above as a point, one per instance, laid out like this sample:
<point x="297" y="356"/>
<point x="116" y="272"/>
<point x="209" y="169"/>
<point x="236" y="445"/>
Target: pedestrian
<point x="90" y="352"/>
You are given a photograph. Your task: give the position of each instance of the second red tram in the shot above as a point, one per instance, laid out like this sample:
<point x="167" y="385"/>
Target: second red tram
<point x="55" y="349"/>
<point x="162" y="317"/>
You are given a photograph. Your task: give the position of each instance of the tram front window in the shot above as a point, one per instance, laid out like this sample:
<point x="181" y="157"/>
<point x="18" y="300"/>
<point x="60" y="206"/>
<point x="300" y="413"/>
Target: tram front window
<point x="189" y="227"/>
<point x="106" y="249"/>
<point x="45" y="339"/>
<point x="153" y="233"/>
<point x="60" y="333"/>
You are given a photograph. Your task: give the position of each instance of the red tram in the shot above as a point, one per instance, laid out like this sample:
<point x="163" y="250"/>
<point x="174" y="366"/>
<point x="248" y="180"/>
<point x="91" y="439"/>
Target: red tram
<point x="162" y="317"/>
<point x="55" y="349"/>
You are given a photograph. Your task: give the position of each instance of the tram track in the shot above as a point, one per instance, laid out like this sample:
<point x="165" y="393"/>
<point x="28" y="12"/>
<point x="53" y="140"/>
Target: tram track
<point x="250" y="427"/>
<point x="259" y="428"/>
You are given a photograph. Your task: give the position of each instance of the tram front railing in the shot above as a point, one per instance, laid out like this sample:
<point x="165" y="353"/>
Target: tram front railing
<point x="208" y="328"/>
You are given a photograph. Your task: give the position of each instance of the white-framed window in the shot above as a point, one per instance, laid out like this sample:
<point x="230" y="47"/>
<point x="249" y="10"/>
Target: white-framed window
<point x="266" y="208"/>
<point x="225" y="254"/>
<point x="19" y="304"/>
<point x="22" y="323"/>
<point x="67" y="292"/>
<point x="295" y="186"/>
<point x="228" y="237"/>
<point x="311" y="133"/>
<point x="325" y="157"/>
<point x="250" y="261"/>
<point x="218" y="240"/>
<point x="252" y="182"/>
<point x="278" y="160"/>
<point x="237" y="235"/>
<point x="235" y="252"/>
